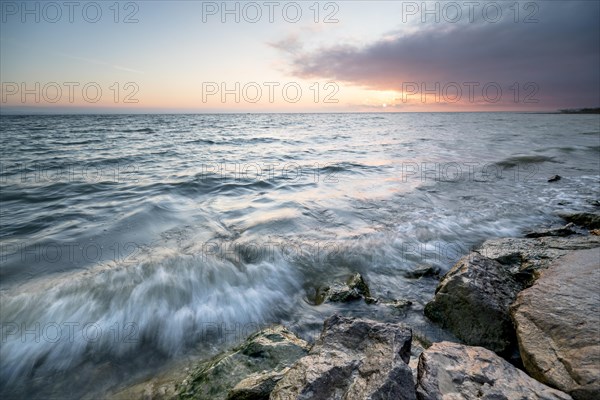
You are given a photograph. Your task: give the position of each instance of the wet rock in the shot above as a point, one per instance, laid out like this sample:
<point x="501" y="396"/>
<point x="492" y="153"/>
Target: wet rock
<point x="561" y="232"/>
<point x="272" y="350"/>
<point x="472" y="301"/>
<point x="398" y="304"/>
<point x="161" y="387"/>
<point x="353" y="359"/>
<point x="256" y="386"/>
<point x="557" y="325"/>
<point x="594" y="202"/>
<point x="422" y="271"/>
<point x="453" y="371"/>
<point x="554" y="178"/>
<point x="584" y="219"/>
<point x="355" y="288"/>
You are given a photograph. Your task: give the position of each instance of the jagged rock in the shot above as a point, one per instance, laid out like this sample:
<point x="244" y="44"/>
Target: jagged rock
<point x="453" y="371"/>
<point x="472" y="301"/>
<point x="256" y="386"/>
<point x="585" y="219"/>
<point x="353" y="359"/>
<point x="272" y="349"/>
<point x="557" y="324"/>
<point x="417" y="347"/>
<point x="555" y="178"/>
<point x="562" y="231"/>
<point x="528" y="256"/>
<point x="355" y="288"/>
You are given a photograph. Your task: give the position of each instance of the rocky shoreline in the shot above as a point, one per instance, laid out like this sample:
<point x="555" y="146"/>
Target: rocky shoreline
<point x="527" y="311"/>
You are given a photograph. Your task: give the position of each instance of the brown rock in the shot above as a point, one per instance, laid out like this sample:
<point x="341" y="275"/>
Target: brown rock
<point x="558" y="323"/>
<point x="454" y="371"/>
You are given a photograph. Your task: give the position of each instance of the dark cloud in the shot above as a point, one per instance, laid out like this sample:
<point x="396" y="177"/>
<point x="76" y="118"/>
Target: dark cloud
<point x="560" y="53"/>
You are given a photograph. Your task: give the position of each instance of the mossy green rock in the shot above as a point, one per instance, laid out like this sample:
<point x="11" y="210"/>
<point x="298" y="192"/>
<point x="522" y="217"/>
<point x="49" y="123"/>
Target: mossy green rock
<point x="272" y="349"/>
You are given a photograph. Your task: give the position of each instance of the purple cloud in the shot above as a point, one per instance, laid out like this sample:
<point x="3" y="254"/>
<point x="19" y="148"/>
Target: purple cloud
<point x="560" y="54"/>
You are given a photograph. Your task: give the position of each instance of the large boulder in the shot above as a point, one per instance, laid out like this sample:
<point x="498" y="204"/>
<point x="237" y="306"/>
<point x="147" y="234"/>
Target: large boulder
<point x="472" y="301"/>
<point x="353" y="359"/>
<point x="528" y="256"/>
<point x="454" y="371"/>
<point x="558" y="323"/>
<point x="270" y="350"/>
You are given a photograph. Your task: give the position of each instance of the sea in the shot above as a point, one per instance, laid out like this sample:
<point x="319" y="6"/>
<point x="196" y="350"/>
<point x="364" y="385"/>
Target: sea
<point x="132" y="244"/>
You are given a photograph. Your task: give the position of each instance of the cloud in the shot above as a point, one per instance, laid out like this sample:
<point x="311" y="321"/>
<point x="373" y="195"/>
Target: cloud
<point x="560" y="54"/>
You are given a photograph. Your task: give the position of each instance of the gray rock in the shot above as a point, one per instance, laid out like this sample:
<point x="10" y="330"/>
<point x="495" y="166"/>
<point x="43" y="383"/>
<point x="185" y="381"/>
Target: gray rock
<point x="355" y="288"/>
<point x="472" y="301"/>
<point x="453" y="371"/>
<point x="555" y="178"/>
<point x="533" y="255"/>
<point x="561" y="232"/>
<point x="353" y="359"/>
<point x="270" y="350"/>
<point x="398" y="304"/>
<point x="557" y="323"/>
<point x="417" y="347"/>
<point x="422" y="271"/>
<point x="585" y="219"/>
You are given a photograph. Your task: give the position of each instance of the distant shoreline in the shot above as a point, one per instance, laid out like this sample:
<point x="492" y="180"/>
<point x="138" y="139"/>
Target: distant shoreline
<point x="76" y="112"/>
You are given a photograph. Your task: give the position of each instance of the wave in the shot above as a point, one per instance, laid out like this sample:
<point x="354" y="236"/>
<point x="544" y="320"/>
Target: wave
<point x="515" y="161"/>
<point x="140" y="130"/>
<point x="165" y="305"/>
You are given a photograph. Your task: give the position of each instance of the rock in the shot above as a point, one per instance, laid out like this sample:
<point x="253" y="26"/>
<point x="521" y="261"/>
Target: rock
<point x="472" y="301"/>
<point x="422" y="271"/>
<point x="353" y="359"/>
<point x="398" y="304"/>
<point x="554" y="178"/>
<point x="562" y="231"/>
<point x="161" y="387"/>
<point x="585" y="219"/>
<point x="594" y="202"/>
<point x="272" y="350"/>
<point x="557" y="324"/>
<point x="355" y="288"/>
<point x="529" y="256"/>
<point x="256" y="386"/>
<point x="453" y="371"/>
<point x="417" y="347"/>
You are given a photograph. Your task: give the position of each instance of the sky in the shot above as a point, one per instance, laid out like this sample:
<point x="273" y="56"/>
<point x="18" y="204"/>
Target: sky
<point x="303" y="56"/>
